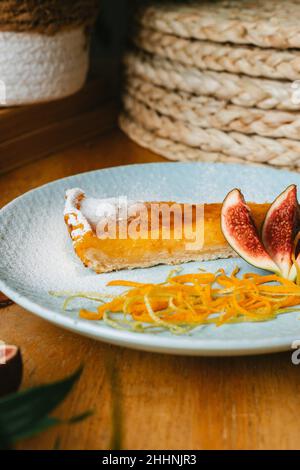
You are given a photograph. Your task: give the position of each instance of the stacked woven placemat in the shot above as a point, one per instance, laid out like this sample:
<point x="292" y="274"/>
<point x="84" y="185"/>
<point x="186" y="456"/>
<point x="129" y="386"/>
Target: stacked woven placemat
<point x="216" y="81"/>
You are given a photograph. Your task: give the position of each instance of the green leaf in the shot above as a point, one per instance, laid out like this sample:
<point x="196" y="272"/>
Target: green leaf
<point x="24" y="413"/>
<point x="45" y="423"/>
<point x="80" y="417"/>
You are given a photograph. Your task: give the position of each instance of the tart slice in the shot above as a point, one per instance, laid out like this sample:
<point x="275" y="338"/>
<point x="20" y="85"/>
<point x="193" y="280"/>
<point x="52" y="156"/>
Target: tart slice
<point x="116" y="233"/>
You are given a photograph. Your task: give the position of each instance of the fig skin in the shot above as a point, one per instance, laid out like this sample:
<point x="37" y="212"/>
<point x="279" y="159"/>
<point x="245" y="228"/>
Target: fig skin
<point x="241" y="233"/>
<point x="278" y="230"/>
<point x="12" y="371"/>
<point x="5" y="301"/>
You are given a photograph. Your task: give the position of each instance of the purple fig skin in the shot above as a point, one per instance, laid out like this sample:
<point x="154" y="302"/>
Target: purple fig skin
<point x="5" y="301"/>
<point x="241" y="233"/>
<point x="12" y="371"/>
<point x="278" y="230"/>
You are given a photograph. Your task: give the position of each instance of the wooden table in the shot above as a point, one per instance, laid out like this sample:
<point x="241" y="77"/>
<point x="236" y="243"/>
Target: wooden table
<point x="143" y="400"/>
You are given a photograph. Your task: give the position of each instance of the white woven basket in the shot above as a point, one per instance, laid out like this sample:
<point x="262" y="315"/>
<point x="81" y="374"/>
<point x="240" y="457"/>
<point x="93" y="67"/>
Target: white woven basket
<point x="36" y="67"/>
<point x="44" y="48"/>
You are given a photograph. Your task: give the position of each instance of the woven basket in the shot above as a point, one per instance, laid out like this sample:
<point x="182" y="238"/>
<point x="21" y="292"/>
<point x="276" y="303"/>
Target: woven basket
<point x="215" y="81"/>
<point x="44" y="48"/>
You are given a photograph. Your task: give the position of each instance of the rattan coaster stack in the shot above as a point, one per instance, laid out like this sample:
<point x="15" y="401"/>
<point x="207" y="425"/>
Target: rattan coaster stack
<point x="216" y="81"/>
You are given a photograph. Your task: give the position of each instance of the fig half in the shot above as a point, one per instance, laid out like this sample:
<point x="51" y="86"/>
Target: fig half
<point x="241" y="233"/>
<point x="278" y="230"/>
<point x="11" y="369"/>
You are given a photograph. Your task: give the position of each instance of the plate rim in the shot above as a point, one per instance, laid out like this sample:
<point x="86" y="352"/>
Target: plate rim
<point x="131" y="165"/>
<point x="175" y="345"/>
<point x="147" y="341"/>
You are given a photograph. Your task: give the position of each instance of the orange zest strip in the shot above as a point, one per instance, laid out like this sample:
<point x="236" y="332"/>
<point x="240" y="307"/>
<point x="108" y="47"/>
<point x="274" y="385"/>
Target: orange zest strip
<point x="201" y="298"/>
<point x="87" y="315"/>
<point x="126" y="283"/>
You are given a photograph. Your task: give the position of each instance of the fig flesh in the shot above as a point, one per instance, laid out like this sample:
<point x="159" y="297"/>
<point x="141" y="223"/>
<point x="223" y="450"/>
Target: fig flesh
<point x="278" y="230"/>
<point x="241" y="233"/>
<point x="11" y="369"/>
<point x="294" y="274"/>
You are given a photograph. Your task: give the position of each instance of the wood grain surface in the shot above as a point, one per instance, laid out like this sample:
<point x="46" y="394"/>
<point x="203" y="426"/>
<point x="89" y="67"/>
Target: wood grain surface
<point x="33" y="131"/>
<point x="143" y="400"/>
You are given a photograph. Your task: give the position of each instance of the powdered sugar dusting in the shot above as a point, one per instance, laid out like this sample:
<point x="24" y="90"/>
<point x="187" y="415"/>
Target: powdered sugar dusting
<point x="36" y="253"/>
<point x="75" y="219"/>
<point x="84" y="213"/>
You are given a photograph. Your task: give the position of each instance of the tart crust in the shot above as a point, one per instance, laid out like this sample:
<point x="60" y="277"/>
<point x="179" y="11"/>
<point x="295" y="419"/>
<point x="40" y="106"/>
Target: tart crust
<point x="151" y="248"/>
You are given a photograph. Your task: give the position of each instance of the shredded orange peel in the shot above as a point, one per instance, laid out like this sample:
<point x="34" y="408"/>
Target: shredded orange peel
<point x="185" y="301"/>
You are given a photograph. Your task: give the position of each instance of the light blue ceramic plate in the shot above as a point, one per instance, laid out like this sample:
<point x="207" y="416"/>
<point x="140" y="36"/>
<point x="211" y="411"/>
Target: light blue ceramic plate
<point x="36" y="254"/>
